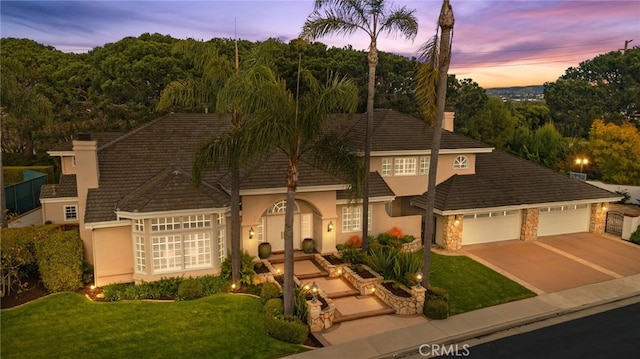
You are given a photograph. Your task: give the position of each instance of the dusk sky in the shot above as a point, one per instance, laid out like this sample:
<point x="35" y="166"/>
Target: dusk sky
<point x="495" y="43"/>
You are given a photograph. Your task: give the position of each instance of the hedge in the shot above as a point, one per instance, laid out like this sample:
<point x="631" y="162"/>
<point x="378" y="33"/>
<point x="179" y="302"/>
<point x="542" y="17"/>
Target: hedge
<point x="165" y="288"/>
<point x="60" y="257"/>
<point x="287" y="328"/>
<point x="268" y="291"/>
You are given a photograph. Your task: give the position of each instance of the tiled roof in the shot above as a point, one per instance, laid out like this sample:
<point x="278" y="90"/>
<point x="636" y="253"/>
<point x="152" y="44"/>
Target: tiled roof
<point x="377" y="188"/>
<point x="103" y="139"/>
<point x="66" y="188"/>
<point x="502" y="179"/>
<point x="396" y="131"/>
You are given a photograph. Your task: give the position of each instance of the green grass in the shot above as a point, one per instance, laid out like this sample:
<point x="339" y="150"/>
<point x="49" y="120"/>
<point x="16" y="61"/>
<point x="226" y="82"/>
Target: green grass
<point x="68" y="325"/>
<point x="471" y="285"/>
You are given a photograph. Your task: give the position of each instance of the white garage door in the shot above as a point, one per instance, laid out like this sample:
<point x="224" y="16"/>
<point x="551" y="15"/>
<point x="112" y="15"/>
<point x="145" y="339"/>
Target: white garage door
<point x="490" y="227"/>
<point x="563" y="219"/>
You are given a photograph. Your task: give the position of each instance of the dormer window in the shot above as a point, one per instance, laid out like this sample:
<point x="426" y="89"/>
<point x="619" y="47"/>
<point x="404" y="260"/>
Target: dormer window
<point x="461" y="163"/>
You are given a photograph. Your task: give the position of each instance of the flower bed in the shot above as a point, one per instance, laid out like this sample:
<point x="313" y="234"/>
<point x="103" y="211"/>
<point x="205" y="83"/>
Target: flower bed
<point x="335" y="267"/>
<point x="364" y="285"/>
<point x="410" y="301"/>
<point x="265" y="275"/>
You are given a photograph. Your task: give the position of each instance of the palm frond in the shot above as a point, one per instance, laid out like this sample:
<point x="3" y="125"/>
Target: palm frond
<point x="401" y="20"/>
<point x="427" y="79"/>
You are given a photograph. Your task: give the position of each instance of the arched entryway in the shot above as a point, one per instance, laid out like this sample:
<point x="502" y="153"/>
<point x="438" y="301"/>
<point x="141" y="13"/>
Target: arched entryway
<point x="271" y="225"/>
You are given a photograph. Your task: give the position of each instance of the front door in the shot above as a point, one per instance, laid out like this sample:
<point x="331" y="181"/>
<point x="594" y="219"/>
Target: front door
<point x="275" y="232"/>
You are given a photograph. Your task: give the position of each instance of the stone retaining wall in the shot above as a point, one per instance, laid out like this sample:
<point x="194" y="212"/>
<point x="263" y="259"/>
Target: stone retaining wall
<point x="403" y="306"/>
<point x="334" y="270"/>
<point x="365" y="286"/>
<point x="413" y="246"/>
<point x="318" y="318"/>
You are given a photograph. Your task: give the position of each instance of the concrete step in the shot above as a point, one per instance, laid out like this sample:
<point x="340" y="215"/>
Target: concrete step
<point x="307" y="276"/>
<point x="339" y="318"/>
<point x="343" y="294"/>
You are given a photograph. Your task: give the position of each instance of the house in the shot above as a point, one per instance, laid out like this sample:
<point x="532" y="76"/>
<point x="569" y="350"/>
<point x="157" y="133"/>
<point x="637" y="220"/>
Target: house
<point x="141" y="218"/>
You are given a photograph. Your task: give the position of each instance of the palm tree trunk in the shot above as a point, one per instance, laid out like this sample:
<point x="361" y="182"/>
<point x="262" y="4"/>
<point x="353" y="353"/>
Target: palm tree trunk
<point x="235" y="222"/>
<point x="373" y="62"/>
<point x="445" y="22"/>
<point x="292" y="184"/>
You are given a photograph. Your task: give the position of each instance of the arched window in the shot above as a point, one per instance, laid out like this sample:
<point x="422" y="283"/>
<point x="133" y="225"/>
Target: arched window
<point x="461" y="163"/>
<point x="280" y="207"/>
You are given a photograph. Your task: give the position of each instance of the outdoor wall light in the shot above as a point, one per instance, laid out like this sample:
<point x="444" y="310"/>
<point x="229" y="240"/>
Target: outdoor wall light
<point x="330" y="227"/>
<point x="314" y="292"/>
<point x="457" y="219"/>
<point x="603" y="206"/>
<point x="251" y="233"/>
<point x="419" y="279"/>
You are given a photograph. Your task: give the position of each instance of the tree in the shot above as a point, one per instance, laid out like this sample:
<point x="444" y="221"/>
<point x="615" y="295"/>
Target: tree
<point x="616" y="152"/>
<point x="231" y="92"/>
<point x="373" y="17"/>
<point x="493" y="124"/>
<point x="606" y="87"/>
<point x="431" y="92"/>
<point x="292" y="125"/>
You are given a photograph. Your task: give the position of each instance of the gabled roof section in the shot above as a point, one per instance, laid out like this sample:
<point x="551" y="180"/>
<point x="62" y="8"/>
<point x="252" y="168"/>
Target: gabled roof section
<point x="377" y="188"/>
<point x="502" y="180"/>
<point x="103" y="139"/>
<point x="396" y="131"/>
<point x="172" y="189"/>
<point x="67" y="188"/>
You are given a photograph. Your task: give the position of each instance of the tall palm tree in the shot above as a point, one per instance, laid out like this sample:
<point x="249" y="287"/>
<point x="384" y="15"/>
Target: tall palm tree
<point x="373" y="17"/>
<point x="292" y="125"/>
<point x="431" y="92"/>
<point x="232" y="90"/>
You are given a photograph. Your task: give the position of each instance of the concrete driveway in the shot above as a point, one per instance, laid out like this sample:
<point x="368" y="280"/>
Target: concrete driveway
<point x="555" y="263"/>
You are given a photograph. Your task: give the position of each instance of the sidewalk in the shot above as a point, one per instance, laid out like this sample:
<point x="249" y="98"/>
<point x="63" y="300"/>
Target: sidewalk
<point x="480" y="322"/>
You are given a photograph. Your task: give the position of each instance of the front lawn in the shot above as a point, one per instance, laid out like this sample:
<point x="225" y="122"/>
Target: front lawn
<point x="471" y="285"/>
<point x="68" y="325"/>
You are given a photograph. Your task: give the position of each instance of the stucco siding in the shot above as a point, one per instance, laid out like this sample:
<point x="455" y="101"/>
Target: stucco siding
<point x="113" y="261"/>
<point x="54" y="211"/>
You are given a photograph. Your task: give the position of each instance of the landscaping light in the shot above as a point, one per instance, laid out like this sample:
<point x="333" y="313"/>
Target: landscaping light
<point x="278" y="270"/>
<point x="419" y="279"/>
<point x="251" y="233"/>
<point x="314" y="292"/>
<point x="339" y="271"/>
<point x="306" y="287"/>
<point x="373" y="289"/>
<point x="330" y="226"/>
<point x="233" y="286"/>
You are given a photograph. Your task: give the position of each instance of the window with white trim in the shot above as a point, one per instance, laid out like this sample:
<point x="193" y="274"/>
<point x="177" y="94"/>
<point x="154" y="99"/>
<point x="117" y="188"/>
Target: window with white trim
<point x="461" y="163"/>
<point x="404" y="166"/>
<point x="167" y="253"/>
<point x="70" y="213"/>
<point x="352" y="219"/>
<point x="222" y="248"/>
<point x="424" y="165"/>
<point x="197" y="250"/>
<point x="387" y="169"/>
<point x="138" y="225"/>
<point x="140" y="254"/>
<point x="196" y="221"/>
<point x="165" y="224"/>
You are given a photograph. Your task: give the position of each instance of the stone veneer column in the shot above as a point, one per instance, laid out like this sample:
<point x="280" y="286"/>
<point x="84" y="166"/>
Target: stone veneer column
<point x="598" y="218"/>
<point x="529" y="227"/>
<point x="452" y="233"/>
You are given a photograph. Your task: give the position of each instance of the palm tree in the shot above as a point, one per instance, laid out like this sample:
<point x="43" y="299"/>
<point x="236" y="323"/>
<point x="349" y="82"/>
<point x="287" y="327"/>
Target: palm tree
<point x="230" y="89"/>
<point x="373" y="17"/>
<point x="431" y="92"/>
<point x="292" y="125"/>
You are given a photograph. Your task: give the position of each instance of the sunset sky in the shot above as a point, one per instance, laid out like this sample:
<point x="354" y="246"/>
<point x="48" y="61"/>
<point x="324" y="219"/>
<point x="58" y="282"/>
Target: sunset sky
<point x="495" y="43"/>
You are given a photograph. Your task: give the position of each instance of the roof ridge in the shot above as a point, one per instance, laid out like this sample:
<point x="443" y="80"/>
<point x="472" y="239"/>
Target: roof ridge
<point x="133" y="131"/>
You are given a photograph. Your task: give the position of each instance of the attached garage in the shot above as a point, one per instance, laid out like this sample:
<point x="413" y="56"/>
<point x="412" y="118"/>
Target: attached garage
<point x="493" y="226"/>
<point x="563" y="219"/>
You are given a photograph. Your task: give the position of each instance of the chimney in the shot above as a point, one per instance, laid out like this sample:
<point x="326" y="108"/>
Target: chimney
<point x="447" y="121"/>
<point x="87" y="175"/>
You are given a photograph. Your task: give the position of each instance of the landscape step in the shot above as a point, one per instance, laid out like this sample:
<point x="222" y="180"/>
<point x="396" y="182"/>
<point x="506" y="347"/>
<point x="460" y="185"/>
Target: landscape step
<point x="339" y="318"/>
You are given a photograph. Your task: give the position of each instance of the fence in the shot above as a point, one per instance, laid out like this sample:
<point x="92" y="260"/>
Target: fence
<point x="24" y="196"/>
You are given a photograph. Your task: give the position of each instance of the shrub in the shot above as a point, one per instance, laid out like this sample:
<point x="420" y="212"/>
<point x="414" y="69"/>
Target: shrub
<point x="635" y="236"/>
<point x="287" y="328"/>
<point x="405" y="267"/>
<point x="60" y="259"/>
<point x="300" y="303"/>
<point x="382" y="260"/>
<point x="190" y="289"/>
<point x="115" y="292"/>
<point x="395" y="232"/>
<point x="436" y="309"/>
<point x="274" y="307"/>
<point x="18" y="259"/>
<point x="353" y="242"/>
<point x="388" y="240"/>
<point x="407" y="238"/>
<point x="87" y="273"/>
<point x="247" y="272"/>
<point x="437" y="293"/>
<point x="352" y="255"/>
<point x="213" y="284"/>
<point x="269" y="291"/>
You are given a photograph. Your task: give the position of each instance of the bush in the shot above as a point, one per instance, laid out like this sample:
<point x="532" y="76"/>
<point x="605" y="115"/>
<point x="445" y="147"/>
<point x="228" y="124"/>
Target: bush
<point x="300" y="303"/>
<point x="269" y="291"/>
<point x="18" y="260"/>
<point x="635" y="236"/>
<point x="436" y="309"/>
<point x="247" y="272"/>
<point x="395" y="232"/>
<point x="274" y="307"/>
<point x="407" y="264"/>
<point x="353" y="242"/>
<point x="287" y="328"/>
<point x="60" y="257"/>
<point x="352" y="255"/>
<point x="388" y="240"/>
<point x="213" y="284"/>
<point x="190" y="289"/>
<point x="437" y="293"/>
<point x="382" y="259"/>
